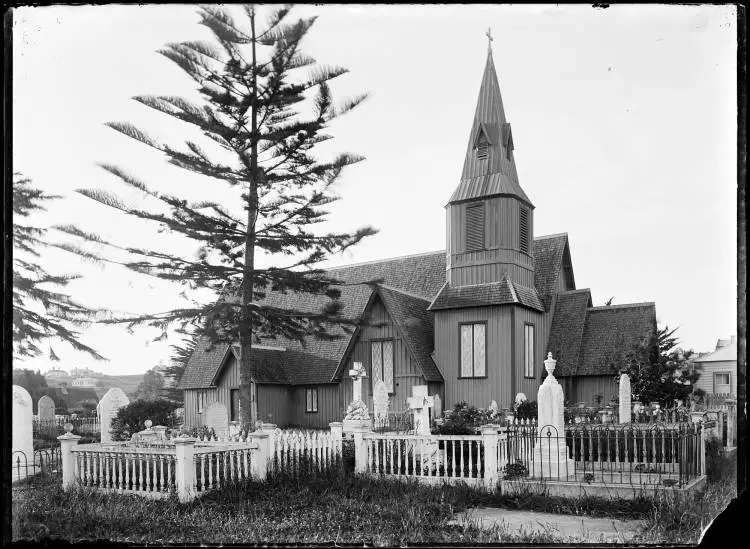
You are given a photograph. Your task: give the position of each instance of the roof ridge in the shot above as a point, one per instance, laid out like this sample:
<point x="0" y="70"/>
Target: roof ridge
<point x="550" y="236"/>
<point x="409" y="256"/>
<point x="624" y="306"/>
<point x="581" y="290"/>
<point x="512" y="288"/>
<point x="400" y="291"/>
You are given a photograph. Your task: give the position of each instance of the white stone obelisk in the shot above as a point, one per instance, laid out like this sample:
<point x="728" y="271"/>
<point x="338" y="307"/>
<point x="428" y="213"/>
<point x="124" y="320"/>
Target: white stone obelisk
<point x="625" y="399"/>
<point x="550" y="452"/>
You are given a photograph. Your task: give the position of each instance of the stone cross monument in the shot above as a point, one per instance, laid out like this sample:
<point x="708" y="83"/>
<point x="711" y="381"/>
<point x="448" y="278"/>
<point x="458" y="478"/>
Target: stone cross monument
<point x="551" y="454"/>
<point x="625" y="399"/>
<point x="420" y="403"/>
<point x="357" y="409"/>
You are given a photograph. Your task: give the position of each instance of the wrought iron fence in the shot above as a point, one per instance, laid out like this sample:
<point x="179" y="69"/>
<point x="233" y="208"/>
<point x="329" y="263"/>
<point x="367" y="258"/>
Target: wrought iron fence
<point x="398" y="422"/>
<point x="56" y="427"/>
<point x="45" y="461"/>
<point x="616" y="454"/>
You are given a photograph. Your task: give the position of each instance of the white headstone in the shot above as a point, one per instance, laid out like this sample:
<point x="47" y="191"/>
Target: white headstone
<point x="520" y="397"/>
<point x="46" y="408"/>
<point x="380" y="401"/>
<point x="23" y="438"/>
<point x="625" y="399"/>
<point x="420" y="403"/>
<point x="551" y="454"/>
<point x="494" y="408"/>
<point x="217" y="418"/>
<point x="437" y="407"/>
<point x="111" y="402"/>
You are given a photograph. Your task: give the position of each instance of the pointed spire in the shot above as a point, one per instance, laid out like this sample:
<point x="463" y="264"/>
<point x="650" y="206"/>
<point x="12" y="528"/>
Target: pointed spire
<point x="490" y="148"/>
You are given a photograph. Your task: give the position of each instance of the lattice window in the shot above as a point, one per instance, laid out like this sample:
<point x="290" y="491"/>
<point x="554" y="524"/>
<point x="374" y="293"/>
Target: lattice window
<point x="311" y="399"/>
<point x="524" y="229"/>
<point x="382" y="363"/>
<point x="473" y="350"/>
<point x="528" y="350"/>
<point x="475" y="227"/>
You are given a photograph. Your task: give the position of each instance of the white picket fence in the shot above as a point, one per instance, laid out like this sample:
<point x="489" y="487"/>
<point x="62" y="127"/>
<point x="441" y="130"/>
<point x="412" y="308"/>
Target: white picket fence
<point x="296" y="451"/>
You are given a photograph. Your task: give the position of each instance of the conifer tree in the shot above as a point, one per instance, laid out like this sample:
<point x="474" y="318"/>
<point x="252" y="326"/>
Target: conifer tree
<point x="261" y="119"/>
<point x="41" y="312"/>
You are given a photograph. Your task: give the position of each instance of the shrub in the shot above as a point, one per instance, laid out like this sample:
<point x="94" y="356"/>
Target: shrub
<point x="462" y="420"/>
<point x="527" y="410"/>
<point x="130" y="419"/>
<point x="515" y="470"/>
<point x="717" y="464"/>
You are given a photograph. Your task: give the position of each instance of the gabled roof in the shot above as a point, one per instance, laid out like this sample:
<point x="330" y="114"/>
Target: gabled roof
<point x="609" y="334"/>
<point x="411" y="317"/>
<point x="409" y="282"/>
<point x="566" y="329"/>
<point x="504" y="292"/>
<point x="549" y="259"/>
<point x="496" y="174"/>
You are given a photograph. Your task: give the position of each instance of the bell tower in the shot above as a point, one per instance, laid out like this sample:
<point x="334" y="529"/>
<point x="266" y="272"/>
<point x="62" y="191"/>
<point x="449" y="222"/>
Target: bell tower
<point x="489" y="218"/>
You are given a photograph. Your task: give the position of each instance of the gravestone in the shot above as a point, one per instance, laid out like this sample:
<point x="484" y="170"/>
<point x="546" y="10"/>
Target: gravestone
<point x="380" y="401"/>
<point x="437" y="407"/>
<point x="494" y="408"/>
<point x="106" y="410"/>
<point x="46" y="408"/>
<point x="420" y="403"/>
<point x="357" y="416"/>
<point x="625" y="399"/>
<point x="217" y="418"/>
<point x="23" y="437"/>
<point x="551" y="453"/>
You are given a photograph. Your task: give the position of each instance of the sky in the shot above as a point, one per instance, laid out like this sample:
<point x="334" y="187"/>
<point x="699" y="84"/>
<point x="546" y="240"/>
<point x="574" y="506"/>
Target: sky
<point x="624" y="127"/>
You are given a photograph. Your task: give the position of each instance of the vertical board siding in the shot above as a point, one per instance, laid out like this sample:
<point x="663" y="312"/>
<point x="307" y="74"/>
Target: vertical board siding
<point x="706" y="379"/>
<point x="529" y="386"/>
<point x="274" y="404"/>
<point x="585" y="388"/>
<point x="329" y="406"/>
<point x="502" y="239"/>
<point x="480" y="391"/>
<point x="406" y="373"/>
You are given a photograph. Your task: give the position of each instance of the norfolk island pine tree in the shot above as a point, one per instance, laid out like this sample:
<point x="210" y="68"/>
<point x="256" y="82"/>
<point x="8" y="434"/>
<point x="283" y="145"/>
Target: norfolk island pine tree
<point x="247" y="111"/>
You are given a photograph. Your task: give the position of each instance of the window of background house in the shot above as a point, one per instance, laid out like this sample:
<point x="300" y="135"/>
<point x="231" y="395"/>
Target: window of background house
<point x="475" y="227"/>
<point x="382" y="363"/>
<point x="473" y="359"/>
<point x="721" y="383"/>
<point x="528" y="350"/>
<point x="234" y="405"/>
<point x="311" y="399"/>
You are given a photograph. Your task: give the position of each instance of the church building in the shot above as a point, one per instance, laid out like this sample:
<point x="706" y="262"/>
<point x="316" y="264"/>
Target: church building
<point x="473" y="322"/>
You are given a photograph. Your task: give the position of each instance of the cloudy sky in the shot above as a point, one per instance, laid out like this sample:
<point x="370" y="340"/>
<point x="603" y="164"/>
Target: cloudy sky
<point x="624" y="126"/>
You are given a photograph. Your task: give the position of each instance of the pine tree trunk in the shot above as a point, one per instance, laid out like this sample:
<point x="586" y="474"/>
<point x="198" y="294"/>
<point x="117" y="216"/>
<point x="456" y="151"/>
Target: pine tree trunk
<point x="248" y="388"/>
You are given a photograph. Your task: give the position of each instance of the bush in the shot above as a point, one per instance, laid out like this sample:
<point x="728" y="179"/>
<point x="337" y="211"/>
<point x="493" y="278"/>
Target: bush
<point x="515" y="470"/>
<point x="527" y="410"/>
<point x="462" y="420"/>
<point x="130" y="419"/>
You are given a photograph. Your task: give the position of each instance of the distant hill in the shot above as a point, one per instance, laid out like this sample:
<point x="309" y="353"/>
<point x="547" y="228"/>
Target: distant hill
<point x="128" y="383"/>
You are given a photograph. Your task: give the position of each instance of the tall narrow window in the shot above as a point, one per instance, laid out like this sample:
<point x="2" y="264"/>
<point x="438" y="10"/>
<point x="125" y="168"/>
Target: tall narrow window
<point x="311" y="399"/>
<point x="472" y="353"/>
<point x="234" y="405"/>
<point x="524" y="229"/>
<point x="382" y="363"/>
<point x="475" y="227"/>
<point x="201" y="396"/>
<point x="528" y="350"/>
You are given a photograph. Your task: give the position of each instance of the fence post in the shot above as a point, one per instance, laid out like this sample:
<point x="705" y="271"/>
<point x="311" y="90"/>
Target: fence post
<point x="489" y="441"/>
<point x="262" y="456"/>
<point x="360" y="450"/>
<point x="67" y="441"/>
<point x="184" y="469"/>
<point x="702" y="442"/>
<point x="731" y="422"/>
<point x="337" y="432"/>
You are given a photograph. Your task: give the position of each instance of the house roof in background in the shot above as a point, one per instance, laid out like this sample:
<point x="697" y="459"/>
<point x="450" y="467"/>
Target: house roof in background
<point x="726" y="353"/>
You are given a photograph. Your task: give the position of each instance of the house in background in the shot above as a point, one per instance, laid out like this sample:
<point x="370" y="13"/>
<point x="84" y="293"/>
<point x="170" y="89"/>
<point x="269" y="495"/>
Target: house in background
<point x="474" y="322"/>
<point x="719" y="369"/>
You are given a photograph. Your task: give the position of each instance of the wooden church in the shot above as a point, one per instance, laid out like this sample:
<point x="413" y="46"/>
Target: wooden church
<point x="474" y="322"/>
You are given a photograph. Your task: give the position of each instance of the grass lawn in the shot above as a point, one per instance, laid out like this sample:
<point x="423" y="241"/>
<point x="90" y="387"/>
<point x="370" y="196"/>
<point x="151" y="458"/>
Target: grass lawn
<point x="335" y="507"/>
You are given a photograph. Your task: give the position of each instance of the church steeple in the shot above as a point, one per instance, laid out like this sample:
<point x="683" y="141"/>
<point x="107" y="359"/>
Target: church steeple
<point x="489" y="216"/>
<point x="489" y="167"/>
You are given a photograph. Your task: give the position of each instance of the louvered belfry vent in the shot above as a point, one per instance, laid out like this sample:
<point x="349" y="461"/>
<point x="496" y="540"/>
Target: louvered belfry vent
<point x="475" y="227"/>
<point x="524" y="230"/>
<point x="482" y="151"/>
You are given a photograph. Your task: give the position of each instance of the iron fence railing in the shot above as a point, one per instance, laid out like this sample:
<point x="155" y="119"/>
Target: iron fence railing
<point x="43" y="462"/>
<point x="56" y="427"/>
<point x="616" y="454"/>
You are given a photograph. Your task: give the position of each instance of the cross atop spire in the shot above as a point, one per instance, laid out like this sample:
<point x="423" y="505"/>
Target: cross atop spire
<point x="488" y="34"/>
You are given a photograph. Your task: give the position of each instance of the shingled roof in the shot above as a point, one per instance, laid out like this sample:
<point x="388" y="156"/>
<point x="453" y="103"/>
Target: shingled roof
<point x="566" y="329"/>
<point x="406" y="284"/>
<point x="609" y="334"/>
<point x="504" y="292"/>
